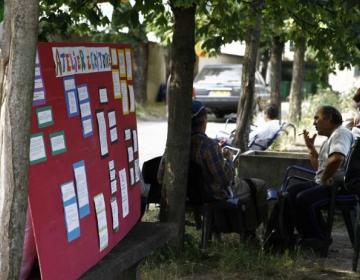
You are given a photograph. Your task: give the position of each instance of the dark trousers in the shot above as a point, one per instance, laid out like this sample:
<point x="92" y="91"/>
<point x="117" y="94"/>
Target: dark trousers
<point x="304" y="203"/>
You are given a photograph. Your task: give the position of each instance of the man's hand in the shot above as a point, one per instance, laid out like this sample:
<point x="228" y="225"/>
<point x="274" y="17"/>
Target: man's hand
<point x="333" y="163"/>
<point x="309" y="141"/>
<point x="310" y="144"/>
<point x="227" y="154"/>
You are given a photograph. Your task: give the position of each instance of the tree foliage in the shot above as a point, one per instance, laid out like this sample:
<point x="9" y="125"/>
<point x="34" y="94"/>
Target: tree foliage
<point x="68" y="17"/>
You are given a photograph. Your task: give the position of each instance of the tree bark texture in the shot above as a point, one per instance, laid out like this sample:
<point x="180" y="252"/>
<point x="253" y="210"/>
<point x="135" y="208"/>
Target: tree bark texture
<point x="140" y="68"/>
<point x="246" y="101"/>
<point x="17" y="83"/>
<point x="179" y="121"/>
<point x="296" y="82"/>
<point x="275" y="76"/>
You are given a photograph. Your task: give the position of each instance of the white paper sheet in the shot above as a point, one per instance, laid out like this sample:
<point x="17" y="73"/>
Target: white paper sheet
<point x="102" y="133"/>
<point x="122" y="66"/>
<point x="137" y="170"/>
<point x="37" y="61"/>
<point x="135" y="142"/>
<point x="113" y="185"/>
<point x="132" y="98"/>
<point x="115" y="213"/>
<point x="113" y="135"/>
<point x="72" y="217"/>
<point x="127" y="134"/>
<point x="128" y="64"/>
<point x="112" y="174"/>
<point x="112" y="118"/>
<point x="130" y="154"/>
<point x="72" y="101"/>
<point x="44" y="116"/>
<point x="125" y="97"/>
<point x="132" y="177"/>
<point x="37" y="148"/>
<point x="39" y="95"/>
<point x="124" y="192"/>
<point x="87" y="126"/>
<point x="116" y="84"/>
<point x="38" y="83"/>
<point x="37" y="71"/>
<point x="103" y="239"/>
<point x="114" y="59"/>
<point x="85" y="109"/>
<point x="68" y="191"/>
<point x="111" y="164"/>
<point x="103" y="95"/>
<point x="81" y="185"/>
<point x="57" y="143"/>
<point x="83" y="93"/>
<point x="69" y="84"/>
<point x="101" y="220"/>
<point x="99" y="203"/>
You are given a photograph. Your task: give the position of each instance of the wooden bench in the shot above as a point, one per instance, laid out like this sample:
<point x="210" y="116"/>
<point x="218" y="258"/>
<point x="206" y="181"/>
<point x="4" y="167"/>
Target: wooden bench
<point x="123" y="260"/>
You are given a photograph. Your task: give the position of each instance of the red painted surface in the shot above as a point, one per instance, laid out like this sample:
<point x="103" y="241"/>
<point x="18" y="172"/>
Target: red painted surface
<point x="60" y="259"/>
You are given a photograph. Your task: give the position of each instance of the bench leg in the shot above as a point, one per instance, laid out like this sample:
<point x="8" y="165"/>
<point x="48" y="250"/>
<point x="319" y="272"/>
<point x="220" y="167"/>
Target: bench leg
<point x="349" y="222"/>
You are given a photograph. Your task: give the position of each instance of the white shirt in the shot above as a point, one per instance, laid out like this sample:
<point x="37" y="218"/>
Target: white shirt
<point x="261" y="136"/>
<point x="339" y="142"/>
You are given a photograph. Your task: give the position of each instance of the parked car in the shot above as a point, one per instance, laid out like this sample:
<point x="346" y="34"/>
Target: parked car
<point x="218" y="87"/>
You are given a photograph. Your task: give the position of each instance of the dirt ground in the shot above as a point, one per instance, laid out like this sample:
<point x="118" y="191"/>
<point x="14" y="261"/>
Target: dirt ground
<point x="338" y="264"/>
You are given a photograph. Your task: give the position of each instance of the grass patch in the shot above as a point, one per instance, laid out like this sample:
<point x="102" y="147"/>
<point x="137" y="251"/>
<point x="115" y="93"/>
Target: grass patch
<point x="226" y="259"/>
<point x="231" y="258"/>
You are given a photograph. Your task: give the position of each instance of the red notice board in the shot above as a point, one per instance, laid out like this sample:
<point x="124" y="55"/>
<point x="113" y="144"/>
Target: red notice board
<point x="84" y="189"/>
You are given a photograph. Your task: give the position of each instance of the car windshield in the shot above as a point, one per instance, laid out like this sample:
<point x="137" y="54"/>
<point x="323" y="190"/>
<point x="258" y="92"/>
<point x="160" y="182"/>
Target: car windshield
<point x="226" y="74"/>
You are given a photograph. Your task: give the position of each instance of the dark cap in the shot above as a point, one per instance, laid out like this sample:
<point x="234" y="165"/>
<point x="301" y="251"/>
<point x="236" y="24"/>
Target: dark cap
<point x="197" y="108"/>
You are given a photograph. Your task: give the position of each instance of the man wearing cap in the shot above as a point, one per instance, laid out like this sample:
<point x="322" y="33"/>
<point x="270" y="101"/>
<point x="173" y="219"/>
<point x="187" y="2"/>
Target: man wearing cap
<point x="217" y="170"/>
<point x="216" y="164"/>
<point x="208" y="154"/>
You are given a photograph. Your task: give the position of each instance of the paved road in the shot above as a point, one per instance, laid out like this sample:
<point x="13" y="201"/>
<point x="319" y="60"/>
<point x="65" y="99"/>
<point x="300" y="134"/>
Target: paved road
<point x="152" y="136"/>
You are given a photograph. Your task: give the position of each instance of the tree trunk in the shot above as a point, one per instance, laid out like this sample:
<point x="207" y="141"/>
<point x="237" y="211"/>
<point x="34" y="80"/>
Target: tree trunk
<point x="17" y="84"/>
<point x="246" y="101"/>
<point x="296" y="82"/>
<point x="140" y="68"/>
<point x="275" y="75"/>
<point x="179" y="128"/>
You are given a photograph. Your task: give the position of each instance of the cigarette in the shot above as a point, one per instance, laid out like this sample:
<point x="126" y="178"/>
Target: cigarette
<point x="301" y="134"/>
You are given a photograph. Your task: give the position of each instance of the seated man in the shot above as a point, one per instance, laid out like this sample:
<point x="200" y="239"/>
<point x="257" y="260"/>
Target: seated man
<point x="306" y="199"/>
<point x="216" y="165"/>
<point x="262" y="136"/>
